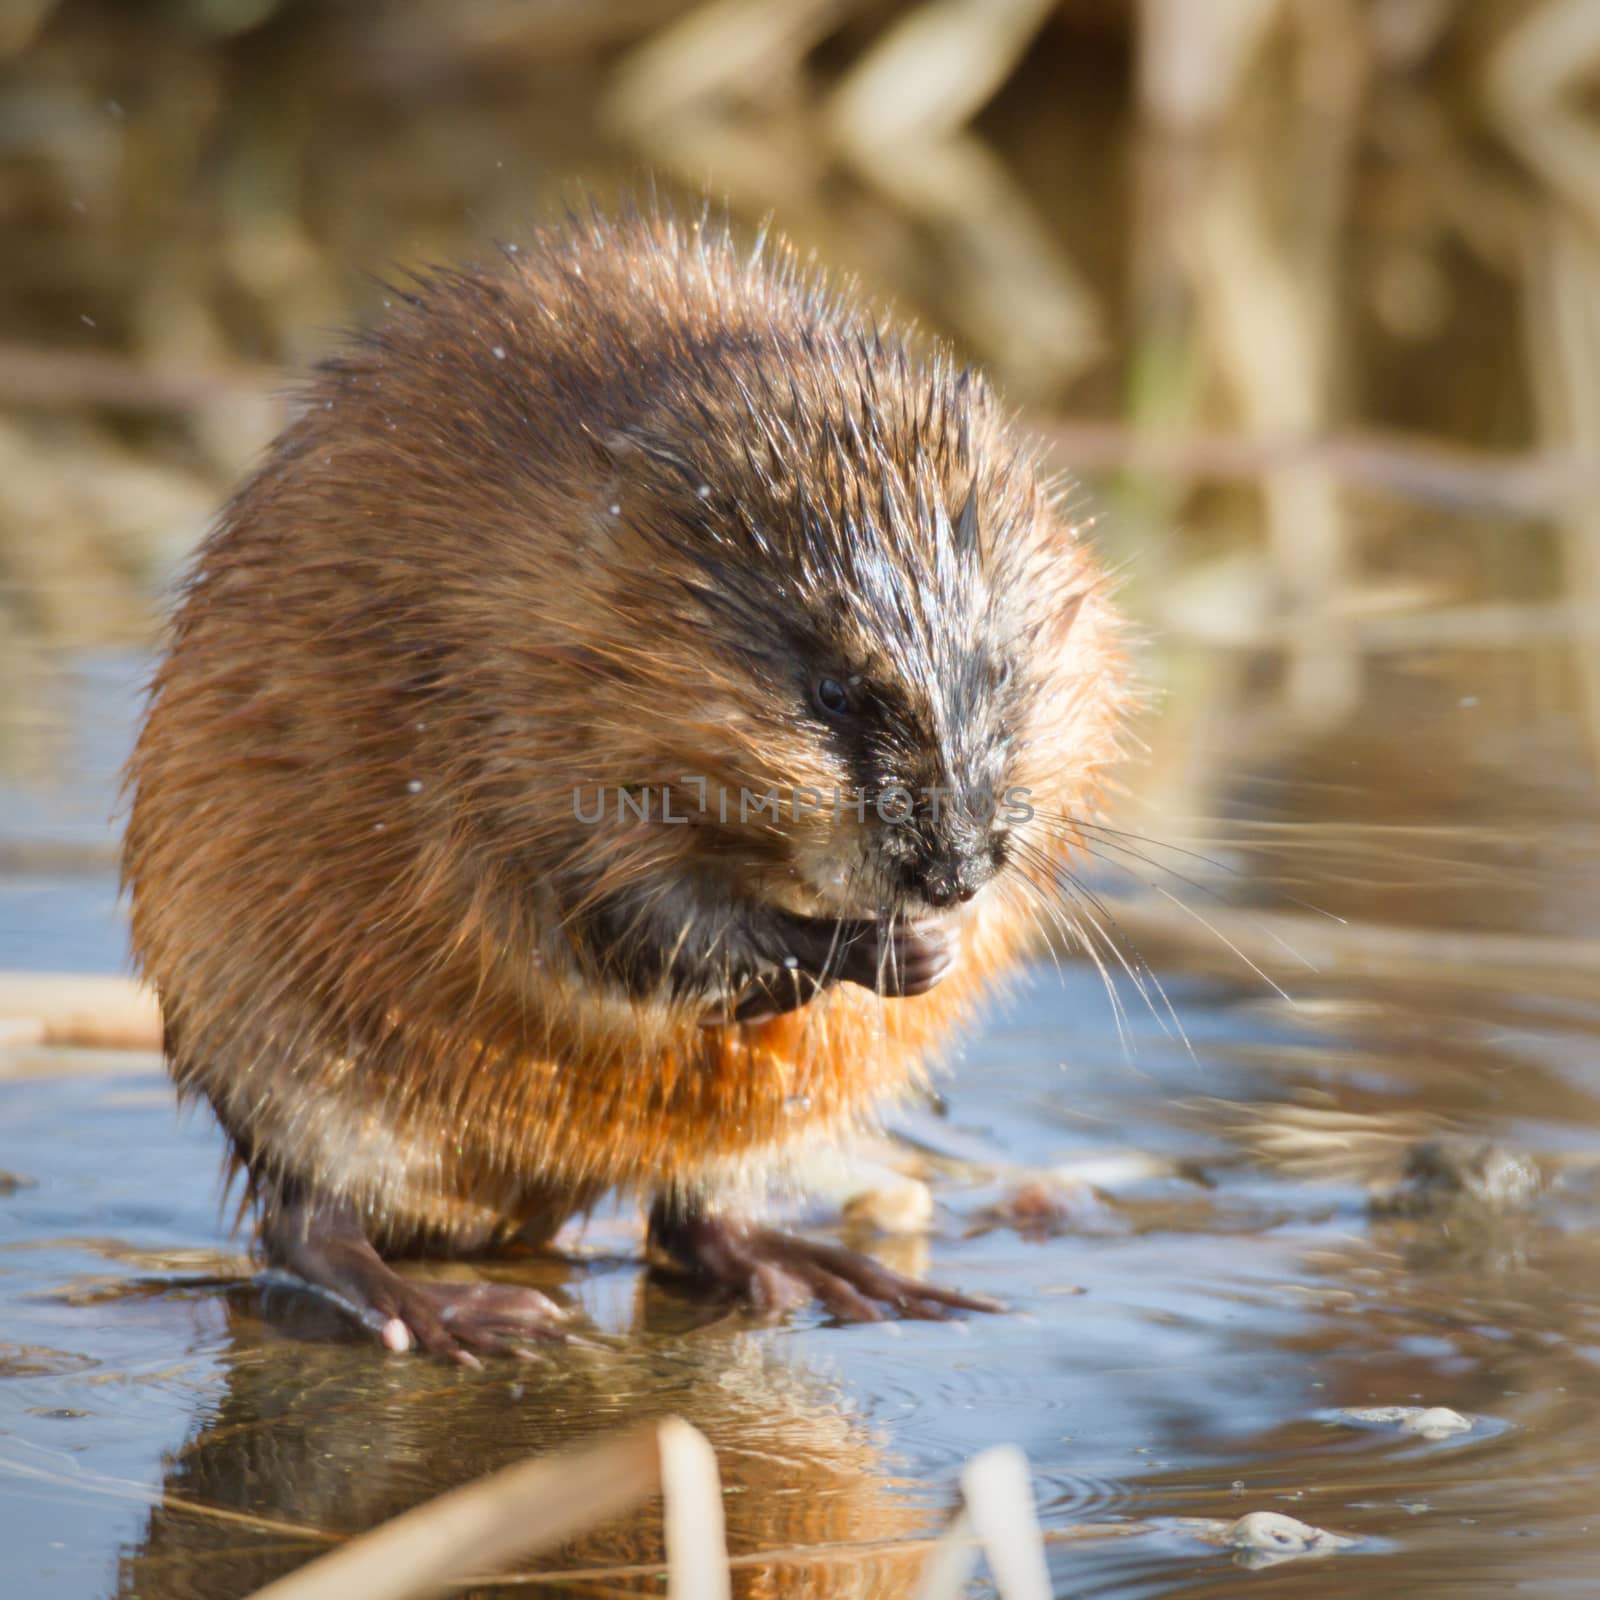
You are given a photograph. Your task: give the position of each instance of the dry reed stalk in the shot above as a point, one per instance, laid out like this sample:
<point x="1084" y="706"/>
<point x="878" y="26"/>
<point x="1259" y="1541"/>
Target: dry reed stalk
<point x="1532" y="81"/>
<point x="1534" y="483"/>
<point x="900" y="119"/>
<point x="1260" y="296"/>
<point x="59" y="379"/>
<point x="685" y="98"/>
<point x="93" y="1013"/>
<point x="997" y="1519"/>
<point x="1266" y="315"/>
<point x="1563" y="353"/>
<point x="1194" y="58"/>
<point x="529" y="1506"/>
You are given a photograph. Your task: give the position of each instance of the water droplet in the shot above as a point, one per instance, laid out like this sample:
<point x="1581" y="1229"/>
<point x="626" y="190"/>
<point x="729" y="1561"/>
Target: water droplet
<point x="87" y="320"/>
<point x="414" y="786"/>
<point x="378" y="827"/>
<point x="499" y="352"/>
<point x="704" y="491"/>
<point x="792" y="963"/>
<point x="614" y="509"/>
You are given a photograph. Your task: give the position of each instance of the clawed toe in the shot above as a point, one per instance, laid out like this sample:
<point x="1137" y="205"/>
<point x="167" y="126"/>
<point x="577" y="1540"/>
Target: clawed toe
<point x="776" y="1272"/>
<point x="464" y="1321"/>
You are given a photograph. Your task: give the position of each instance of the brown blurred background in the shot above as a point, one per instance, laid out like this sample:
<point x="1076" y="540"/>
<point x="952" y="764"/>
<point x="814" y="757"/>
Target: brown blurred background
<point x="1308" y="291"/>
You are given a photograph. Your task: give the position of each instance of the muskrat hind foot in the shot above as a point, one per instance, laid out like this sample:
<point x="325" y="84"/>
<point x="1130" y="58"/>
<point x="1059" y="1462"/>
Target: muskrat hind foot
<point x="777" y="1271"/>
<point x="325" y="1247"/>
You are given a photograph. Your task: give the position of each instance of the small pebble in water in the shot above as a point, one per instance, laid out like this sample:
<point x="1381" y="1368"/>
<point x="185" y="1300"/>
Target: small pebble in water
<point x="1452" y="1177"/>
<point x="1050" y="1203"/>
<point x="1427" y="1422"/>
<point x="1271" y="1534"/>
<point x="1263" y="1538"/>
<point x="1438" y="1422"/>
<point x="905" y="1207"/>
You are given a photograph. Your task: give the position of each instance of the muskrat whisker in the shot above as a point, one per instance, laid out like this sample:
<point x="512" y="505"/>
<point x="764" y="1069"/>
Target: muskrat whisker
<point x="1139" y="970"/>
<point x="1228" y="943"/>
<point x="1085" y="941"/>
<point x="1036" y="915"/>
<point x="1069" y="929"/>
<point x="1079" y="828"/>
<point x="1114" y="839"/>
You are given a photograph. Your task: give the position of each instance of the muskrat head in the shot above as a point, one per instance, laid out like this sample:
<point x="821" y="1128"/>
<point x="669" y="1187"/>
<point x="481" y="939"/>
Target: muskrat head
<point x="899" y="670"/>
<point x="874" y="595"/>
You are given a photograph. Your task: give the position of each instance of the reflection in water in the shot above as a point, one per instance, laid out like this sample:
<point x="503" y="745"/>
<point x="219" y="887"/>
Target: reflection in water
<point x="312" y="1439"/>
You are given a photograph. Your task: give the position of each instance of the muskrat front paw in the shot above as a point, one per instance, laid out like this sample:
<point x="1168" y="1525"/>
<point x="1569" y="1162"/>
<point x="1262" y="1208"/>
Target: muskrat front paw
<point x="811" y="953"/>
<point x="917" y="958"/>
<point x="775" y="1272"/>
<point x="896" y="958"/>
<point x="325" y="1247"/>
<point x="463" y="1321"/>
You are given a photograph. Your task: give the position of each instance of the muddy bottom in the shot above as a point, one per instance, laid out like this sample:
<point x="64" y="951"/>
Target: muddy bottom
<point x="1246" y="1242"/>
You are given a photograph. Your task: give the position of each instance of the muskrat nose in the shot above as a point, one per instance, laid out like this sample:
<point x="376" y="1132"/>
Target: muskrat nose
<point x="943" y="885"/>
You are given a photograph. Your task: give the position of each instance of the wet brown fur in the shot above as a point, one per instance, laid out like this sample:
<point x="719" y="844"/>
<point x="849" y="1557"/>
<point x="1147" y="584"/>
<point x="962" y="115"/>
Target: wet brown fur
<point x="426" y="584"/>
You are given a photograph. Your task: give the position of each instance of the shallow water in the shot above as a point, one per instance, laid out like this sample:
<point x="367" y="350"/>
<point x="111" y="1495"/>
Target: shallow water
<point x="1225" y="1273"/>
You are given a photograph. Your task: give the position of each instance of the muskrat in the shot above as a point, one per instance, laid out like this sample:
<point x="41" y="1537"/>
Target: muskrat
<point x="509" y="817"/>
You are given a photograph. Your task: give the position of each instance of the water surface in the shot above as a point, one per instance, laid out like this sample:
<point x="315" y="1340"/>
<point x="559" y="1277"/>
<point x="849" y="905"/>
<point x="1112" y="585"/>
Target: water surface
<point x="1235" y="1260"/>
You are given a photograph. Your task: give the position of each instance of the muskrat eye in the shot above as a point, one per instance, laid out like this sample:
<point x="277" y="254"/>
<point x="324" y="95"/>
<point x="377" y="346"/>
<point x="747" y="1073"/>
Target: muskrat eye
<point x="832" y="697"/>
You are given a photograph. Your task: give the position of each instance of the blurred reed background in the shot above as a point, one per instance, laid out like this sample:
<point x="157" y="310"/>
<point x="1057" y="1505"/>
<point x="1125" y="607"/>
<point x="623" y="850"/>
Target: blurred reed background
<point x="1307" y="291"/>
